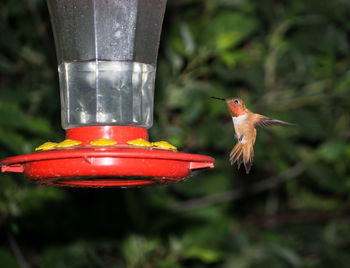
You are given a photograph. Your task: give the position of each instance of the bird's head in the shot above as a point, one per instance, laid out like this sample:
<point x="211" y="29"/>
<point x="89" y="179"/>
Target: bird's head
<point x="235" y="105"/>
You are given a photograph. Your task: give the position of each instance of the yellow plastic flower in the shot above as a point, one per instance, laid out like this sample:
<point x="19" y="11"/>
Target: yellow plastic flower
<point x="68" y="143"/>
<point x="46" y="146"/>
<point x="164" y="145"/>
<point x="140" y="142"/>
<point x="103" y="142"/>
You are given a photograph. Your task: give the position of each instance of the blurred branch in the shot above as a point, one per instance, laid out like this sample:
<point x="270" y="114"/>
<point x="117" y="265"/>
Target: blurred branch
<point x="231" y="195"/>
<point x="298" y="217"/>
<point x="16" y="250"/>
<point x="276" y="47"/>
<point x="42" y="27"/>
<point x="193" y="68"/>
<point x="39" y="22"/>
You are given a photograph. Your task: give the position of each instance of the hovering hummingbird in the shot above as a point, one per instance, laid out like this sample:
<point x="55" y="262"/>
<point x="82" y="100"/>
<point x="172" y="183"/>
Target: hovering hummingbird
<point x="245" y="123"/>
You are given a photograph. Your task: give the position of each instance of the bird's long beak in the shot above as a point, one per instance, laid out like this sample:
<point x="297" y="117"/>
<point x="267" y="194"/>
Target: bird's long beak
<point x="218" y="98"/>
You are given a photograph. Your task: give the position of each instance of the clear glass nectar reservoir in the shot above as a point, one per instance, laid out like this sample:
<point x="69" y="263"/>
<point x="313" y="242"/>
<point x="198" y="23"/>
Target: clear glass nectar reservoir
<point x="106" y="51"/>
<point x="106" y="93"/>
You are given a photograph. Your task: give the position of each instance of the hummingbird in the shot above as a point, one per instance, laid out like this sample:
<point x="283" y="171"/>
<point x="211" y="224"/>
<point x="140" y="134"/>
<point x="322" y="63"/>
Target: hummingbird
<point x="245" y="124"/>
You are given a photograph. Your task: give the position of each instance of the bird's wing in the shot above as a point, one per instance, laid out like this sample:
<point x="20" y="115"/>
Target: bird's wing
<point x="263" y="121"/>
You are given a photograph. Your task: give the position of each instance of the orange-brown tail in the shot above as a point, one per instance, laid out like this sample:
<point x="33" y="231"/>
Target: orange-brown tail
<point x="242" y="153"/>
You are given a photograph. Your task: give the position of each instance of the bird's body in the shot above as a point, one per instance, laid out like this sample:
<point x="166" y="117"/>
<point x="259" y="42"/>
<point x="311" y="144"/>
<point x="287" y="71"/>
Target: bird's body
<point x="245" y="124"/>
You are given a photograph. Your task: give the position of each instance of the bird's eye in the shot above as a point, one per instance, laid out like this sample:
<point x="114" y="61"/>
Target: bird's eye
<point x="235" y="101"/>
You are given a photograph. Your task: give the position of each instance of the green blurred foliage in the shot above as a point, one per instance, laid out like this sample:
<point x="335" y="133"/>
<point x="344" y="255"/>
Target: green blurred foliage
<point x="287" y="59"/>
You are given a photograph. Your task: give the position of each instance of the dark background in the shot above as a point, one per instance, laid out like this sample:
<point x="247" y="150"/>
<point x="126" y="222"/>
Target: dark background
<point x="287" y="59"/>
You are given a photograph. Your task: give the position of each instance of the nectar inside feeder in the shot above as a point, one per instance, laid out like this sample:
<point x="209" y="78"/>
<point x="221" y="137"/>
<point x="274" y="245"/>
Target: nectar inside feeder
<point x="106" y="53"/>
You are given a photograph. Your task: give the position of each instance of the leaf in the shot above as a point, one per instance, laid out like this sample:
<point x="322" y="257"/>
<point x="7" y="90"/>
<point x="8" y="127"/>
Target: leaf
<point x="13" y="141"/>
<point x="14" y="118"/>
<point x="331" y="151"/>
<point x="287" y="254"/>
<point x="188" y="40"/>
<point x="7" y="260"/>
<point x="229" y="28"/>
<point x="206" y="255"/>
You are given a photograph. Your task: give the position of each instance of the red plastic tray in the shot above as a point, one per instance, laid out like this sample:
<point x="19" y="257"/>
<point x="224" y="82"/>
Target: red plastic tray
<point x="121" y="165"/>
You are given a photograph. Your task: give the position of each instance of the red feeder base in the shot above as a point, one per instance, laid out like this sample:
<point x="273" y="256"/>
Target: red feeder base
<point x="117" y="166"/>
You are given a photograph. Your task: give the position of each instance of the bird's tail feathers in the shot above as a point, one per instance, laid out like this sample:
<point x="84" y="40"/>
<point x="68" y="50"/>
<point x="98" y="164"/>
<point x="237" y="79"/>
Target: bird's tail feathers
<point x="237" y="154"/>
<point x="242" y="153"/>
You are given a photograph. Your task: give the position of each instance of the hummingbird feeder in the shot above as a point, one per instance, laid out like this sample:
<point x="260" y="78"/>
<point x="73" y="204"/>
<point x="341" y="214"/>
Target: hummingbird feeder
<point x="106" y="52"/>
